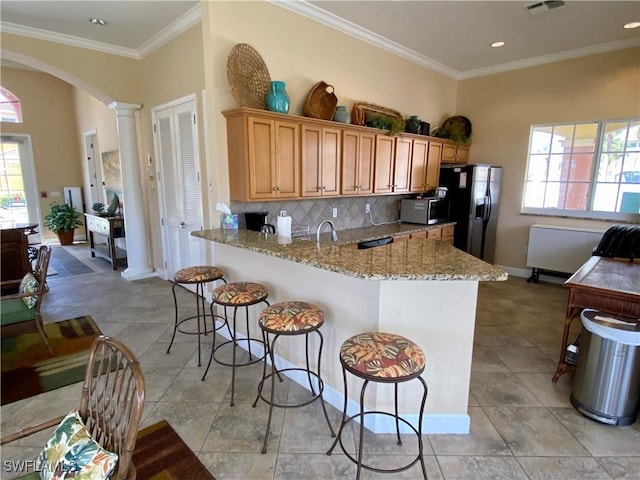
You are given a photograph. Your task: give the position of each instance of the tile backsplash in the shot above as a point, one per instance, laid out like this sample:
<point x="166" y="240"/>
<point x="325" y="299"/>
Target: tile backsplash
<point x="351" y="211"/>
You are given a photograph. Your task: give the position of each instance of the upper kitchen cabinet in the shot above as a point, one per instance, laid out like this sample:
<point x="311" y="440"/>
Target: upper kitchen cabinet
<point x="425" y="165"/>
<point x="321" y="159"/>
<point x="264" y="156"/>
<point x="392" y="164"/>
<point x="358" y="154"/>
<point x="455" y="153"/>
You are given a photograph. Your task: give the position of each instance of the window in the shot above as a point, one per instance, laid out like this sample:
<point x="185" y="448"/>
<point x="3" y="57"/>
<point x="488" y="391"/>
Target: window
<point x="10" y="108"/>
<point x="587" y="170"/>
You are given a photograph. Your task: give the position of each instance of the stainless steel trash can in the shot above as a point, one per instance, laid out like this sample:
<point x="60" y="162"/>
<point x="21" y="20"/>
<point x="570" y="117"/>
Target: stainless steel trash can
<point x="606" y="384"/>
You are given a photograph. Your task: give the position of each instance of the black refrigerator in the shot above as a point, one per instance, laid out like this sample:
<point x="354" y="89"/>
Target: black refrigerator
<point x="474" y="196"/>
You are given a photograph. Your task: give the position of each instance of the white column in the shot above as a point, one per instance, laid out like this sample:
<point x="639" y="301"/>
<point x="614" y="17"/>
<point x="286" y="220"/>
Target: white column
<point x="138" y="265"/>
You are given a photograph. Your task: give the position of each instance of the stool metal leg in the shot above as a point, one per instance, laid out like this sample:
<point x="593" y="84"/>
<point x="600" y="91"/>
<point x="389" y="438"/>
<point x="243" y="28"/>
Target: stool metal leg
<point x="344" y="415"/>
<point x="395" y="389"/>
<point x="175" y="326"/>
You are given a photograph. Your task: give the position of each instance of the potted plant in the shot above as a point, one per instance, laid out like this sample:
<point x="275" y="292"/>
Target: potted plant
<point x="62" y="220"/>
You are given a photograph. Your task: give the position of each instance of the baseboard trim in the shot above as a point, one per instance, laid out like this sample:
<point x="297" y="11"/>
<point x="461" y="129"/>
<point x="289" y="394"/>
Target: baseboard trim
<point x="432" y="423"/>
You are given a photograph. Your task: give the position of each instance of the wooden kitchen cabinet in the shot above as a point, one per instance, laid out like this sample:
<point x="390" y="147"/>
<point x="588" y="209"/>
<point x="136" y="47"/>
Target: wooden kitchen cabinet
<point x="392" y="165"/>
<point x="358" y="154"/>
<point x="264" y="157"/>
<point x="321" y="161"/>
<point x="401" y="238"/>
<point x="384" y="164"/>
<point x="452" y="153"/>
<point x="447" y="234"/>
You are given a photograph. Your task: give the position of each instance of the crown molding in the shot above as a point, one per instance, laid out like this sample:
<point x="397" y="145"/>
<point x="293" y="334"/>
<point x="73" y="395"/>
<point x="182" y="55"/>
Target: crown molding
<point x="178" y="26"/>
<point x="68" y="40"/>
<point x="181" y="24"/>
<point x="311" y="11"/>
<point x="555" y="57"/>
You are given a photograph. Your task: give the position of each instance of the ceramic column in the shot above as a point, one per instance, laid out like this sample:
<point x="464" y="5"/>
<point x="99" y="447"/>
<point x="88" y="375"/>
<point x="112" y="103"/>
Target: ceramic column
<point x="138" y="265"/>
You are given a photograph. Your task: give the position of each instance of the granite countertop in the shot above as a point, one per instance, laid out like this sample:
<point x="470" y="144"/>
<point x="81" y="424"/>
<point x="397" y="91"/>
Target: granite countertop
<point x="416" y="259"/>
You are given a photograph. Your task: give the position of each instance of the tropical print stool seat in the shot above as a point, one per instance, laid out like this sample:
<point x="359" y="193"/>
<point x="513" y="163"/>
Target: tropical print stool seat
<point x="197" y="274"/>
<point x="291" y="317"/>
<point x="382" y="358"/>
<point x="240" y="293"/>
<point x="382" y="355"/>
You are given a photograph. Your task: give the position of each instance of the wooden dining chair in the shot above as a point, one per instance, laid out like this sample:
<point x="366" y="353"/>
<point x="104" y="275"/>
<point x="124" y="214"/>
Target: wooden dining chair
<point x="22" y="310"/>
<point x="111" y="404"/>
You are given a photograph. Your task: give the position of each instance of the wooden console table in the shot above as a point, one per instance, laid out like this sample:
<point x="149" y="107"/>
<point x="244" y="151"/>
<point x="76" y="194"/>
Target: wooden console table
<point x="110" y="227"/>
<point x="609" y="285"/>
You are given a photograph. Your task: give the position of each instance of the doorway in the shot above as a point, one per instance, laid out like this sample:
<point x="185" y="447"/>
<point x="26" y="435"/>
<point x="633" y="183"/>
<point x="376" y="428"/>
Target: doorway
<point x="18" y="186"/>
<point x="179" y="189"/>
<point x="94" y="169"/>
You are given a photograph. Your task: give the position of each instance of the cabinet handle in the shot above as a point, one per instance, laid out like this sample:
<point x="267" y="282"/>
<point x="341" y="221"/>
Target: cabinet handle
<point x="273" y="189"/>
<point x="183" y="225"/>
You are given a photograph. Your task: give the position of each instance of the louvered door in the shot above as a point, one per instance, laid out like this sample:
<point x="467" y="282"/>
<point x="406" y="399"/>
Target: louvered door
<point x="179" y="183"/>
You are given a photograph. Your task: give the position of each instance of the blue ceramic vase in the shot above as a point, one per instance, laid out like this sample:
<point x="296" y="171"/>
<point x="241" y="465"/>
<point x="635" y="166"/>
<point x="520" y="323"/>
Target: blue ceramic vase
<point x="342" y="114"/>
<point x="277" y="98"/>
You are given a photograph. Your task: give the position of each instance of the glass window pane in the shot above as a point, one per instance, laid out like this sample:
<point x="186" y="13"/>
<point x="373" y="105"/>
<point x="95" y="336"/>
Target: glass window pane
<point x="614" y="136"/>
<point x="585" y="137"/>
<point x="562" y="139"/>
<point x="534" y="194"/>
<point x="605" y="197"/>
<point x="610" y="167"/>
<point x="581" y="167"/>
<point x="633" y="137"/>
<point x="552" y="196"/>
<point x="537" y="168"/>
<point x="541" y="140"/>
<point x="559" y="166"/>
<point x="577" y="196"/>
<point x="629" y="199"/>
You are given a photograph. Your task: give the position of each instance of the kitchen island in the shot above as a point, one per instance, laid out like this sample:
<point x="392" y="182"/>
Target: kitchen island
<point x="423" y="289"/>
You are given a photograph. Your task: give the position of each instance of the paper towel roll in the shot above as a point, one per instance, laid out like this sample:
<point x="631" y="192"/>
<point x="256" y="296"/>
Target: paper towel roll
<point x="284" y="226"/>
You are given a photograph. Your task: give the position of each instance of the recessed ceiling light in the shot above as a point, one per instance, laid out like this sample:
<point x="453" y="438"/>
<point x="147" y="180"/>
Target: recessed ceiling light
<point x="632" y="25"/>
<point x="98" y="21"/>
<point x="497" y="44"/>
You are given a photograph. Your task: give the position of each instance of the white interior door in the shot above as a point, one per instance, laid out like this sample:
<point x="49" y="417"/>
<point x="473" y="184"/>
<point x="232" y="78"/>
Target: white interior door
<point x="176" y="140"/>
<point x="94" y="170"/>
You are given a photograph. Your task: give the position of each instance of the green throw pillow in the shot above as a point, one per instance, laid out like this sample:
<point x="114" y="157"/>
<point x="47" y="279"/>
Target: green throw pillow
<point x="29" y="284"/>
<point x="72" y="453"/>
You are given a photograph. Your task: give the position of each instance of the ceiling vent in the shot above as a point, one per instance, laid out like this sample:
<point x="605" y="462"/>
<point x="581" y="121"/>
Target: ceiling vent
<point x="545" y="7"/>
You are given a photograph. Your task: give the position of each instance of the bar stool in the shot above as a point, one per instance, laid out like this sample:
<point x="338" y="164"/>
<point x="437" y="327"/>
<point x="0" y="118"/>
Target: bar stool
<point x="384" y="358"/>
<point x="237" y="295"/>
<point x="198" y="275"/>
<point x="291" y="319"/>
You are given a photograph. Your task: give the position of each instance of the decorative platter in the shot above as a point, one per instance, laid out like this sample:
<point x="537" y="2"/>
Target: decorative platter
<point x="457" y="124"/>
<point x="248" y="77"/>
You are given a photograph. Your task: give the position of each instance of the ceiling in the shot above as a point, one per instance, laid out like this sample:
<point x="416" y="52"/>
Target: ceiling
<point x="451" y="37"/>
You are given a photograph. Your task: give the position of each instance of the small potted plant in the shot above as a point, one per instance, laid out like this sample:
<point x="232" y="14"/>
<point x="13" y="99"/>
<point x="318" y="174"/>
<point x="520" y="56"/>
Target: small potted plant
<point x="62" y="220"/>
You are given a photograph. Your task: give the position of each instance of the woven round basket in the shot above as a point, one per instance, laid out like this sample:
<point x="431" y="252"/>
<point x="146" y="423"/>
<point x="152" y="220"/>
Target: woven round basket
<point x="248" y="77"/>
<point x="321" y="102"/>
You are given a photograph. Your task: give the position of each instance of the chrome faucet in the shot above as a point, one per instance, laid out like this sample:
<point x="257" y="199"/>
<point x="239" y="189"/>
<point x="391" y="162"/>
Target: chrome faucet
<point x="334" y="235"/>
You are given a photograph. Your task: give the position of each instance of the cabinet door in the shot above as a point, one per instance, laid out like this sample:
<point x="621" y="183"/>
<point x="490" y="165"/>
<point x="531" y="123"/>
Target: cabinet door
<point x="433" y="165"/>
<point x="448" y="152"/>
<point x="462" y="154"/>
<point x="311" y="159"/>
<point x="320" y="161"/>
<point x="419" y="166"/>
<point x="358" y="151"/>
<point x="330" y="167"/>
<point x="435" y="233"/>
<point x="366" y="160"/>
<point x="402" y="167"/>
<point x="262" y="152"/>
<point x="287" y="159"/>
<point x="385" y="151"/>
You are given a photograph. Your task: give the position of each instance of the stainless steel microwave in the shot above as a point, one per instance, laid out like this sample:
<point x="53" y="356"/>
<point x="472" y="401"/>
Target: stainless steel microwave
<point x="426" y="211"/>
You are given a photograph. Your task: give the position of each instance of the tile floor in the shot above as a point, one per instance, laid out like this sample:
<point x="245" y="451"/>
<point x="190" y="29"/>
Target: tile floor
<point x="522" y="425"/>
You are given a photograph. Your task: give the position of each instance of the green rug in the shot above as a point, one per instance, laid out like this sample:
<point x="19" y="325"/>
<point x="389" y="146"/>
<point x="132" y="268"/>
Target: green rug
<point x="27" y="367"/>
